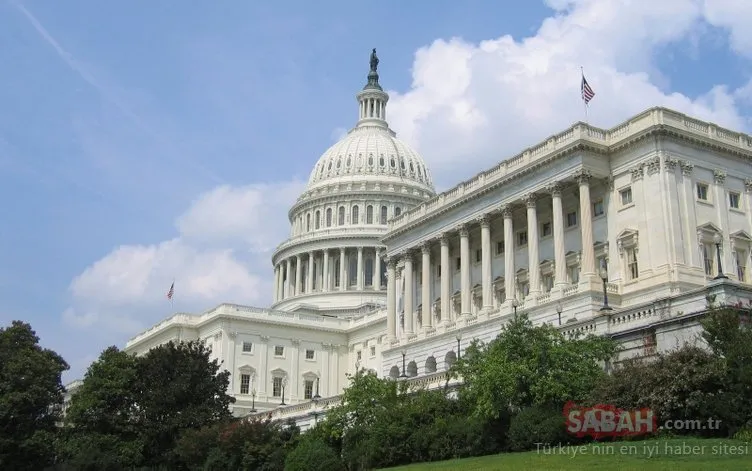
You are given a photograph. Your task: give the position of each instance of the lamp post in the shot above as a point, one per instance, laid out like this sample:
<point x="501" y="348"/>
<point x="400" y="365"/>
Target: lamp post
<point x="515" y="303"/>
<point x="284" y="383"/>
<point x="253" y="400"/>
<point x="403" y="375"/>
<point x="559" y="308"/>
<point x="316" y="396"/>
<point x="459" y="338"/>
<point x="717" y="239"/>
<point x="604" y="277"/>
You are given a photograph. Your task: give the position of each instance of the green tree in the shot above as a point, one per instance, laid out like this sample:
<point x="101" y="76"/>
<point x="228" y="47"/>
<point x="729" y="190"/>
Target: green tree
<point x="178" y="388"/>
<point x="103" y="424"/>
<point x="527" y="365"/>
<point x="31" y="394"/>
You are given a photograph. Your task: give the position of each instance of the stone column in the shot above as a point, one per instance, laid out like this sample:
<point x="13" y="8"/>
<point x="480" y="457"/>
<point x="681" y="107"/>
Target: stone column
<point x="446" y="280"/>
<point x="276" y="284"/>
<point x="298" y="275"/>
<point x="408" y="296"/>
<point x="486" y="274"/>
<point x="376" y="278"/>
<point x="587" y="266"/>
<point x="342" y="263"/>
<point x="509" y="274"/>
<point x="288" y="278"/>
<point x="426" y="285"/>
<point x="295" y="373"/>
<point x="560" y="255"/>
<point x="465" y="294"/>
<point x="263" y="384"/>
<point x="533" y="275"/>
<point x="327" y="277"/>
<point x="391" y="298"/>
<point x="309" y="281"/>
<point x="360" y="276"/>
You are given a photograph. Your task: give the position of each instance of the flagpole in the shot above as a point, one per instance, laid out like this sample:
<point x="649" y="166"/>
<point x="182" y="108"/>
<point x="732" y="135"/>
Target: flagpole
<point x="582" y="83"/>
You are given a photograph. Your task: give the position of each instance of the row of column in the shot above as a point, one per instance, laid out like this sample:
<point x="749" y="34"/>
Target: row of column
<point x="587" y="266"/>
<point x="322" y="267"/>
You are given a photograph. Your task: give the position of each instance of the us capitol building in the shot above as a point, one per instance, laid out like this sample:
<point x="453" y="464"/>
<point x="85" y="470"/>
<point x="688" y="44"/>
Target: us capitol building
<point x="624" y="232"/>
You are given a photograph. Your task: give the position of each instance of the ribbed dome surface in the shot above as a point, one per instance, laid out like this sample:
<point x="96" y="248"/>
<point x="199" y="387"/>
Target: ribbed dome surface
<point x="369" y="151"/>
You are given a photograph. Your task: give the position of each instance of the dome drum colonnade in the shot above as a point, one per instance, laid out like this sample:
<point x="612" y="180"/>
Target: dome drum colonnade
<point x="443" y="307"/>
<point x="357" y="185"/>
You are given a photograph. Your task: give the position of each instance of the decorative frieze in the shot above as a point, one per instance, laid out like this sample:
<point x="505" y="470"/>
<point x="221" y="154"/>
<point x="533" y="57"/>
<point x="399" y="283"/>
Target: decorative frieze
<point x="637" y="172"/>
<point x="719" y="176"/>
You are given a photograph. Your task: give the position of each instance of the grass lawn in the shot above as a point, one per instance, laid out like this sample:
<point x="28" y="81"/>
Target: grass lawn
<point x="656" y="454"/>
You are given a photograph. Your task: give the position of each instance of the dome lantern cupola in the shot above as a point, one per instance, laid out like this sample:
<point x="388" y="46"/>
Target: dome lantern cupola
<point x="372" y="99"/>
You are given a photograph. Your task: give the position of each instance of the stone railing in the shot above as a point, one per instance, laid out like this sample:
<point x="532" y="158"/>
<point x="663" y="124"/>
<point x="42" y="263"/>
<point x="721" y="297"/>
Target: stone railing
<point x="368" y="230"/>
<point x="580" y="131"/>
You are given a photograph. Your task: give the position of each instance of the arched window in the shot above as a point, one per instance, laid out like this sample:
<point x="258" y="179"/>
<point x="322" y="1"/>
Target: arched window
<point x="369" y="214"/>
<point x="336" y="273"/>
<point x="397" y="211"/>
<point x="369" y="272"/>
<point x="317" y="224"/>
<point x="328" y="217"/>
<point x="384" y="211"/>
<point x="341" y="216"/>
<point x="353" y="278"/>
<point x="354" y="219"/>
<point x="308" y="222"/>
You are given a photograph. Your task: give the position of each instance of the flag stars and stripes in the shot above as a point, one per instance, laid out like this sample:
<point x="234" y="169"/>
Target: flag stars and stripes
<point x="587" y="91"/>
<point x="171" y="292"/>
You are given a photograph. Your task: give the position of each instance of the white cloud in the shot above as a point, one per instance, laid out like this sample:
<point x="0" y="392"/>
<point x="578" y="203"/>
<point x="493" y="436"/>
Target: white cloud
<point x="221" y="254"/>
<point x="482" y="103"/>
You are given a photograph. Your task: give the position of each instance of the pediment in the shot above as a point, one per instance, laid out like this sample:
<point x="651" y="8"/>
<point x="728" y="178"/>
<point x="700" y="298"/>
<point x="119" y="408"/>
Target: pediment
<point x="710" y="228"/>
<point x="741" y="235"/>
<point x="627" y="233"/>
<point x="279" y="372"/>
<point x="310" y="375"/>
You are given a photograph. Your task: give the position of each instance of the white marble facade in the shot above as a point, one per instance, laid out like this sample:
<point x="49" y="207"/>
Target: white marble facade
<point x="381" y="273"/>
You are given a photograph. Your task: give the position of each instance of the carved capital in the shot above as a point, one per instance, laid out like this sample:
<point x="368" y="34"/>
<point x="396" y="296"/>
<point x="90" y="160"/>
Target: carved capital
<point x="582" y="177"/>
<point x="748" y="185"/>
<point x="462" y="229"/>
<point x="530" y="200"/>
<point x="408" y="257"/>
<point x="609" y="183"/>
<point x="555" y="189"/>
<point x="719" y="176"/>
<point x="686" y="167"/>
<point x="506" y="211"/>
<point x="444" y="239"/>
<point x="653" y="165"/>
<point x="638" y="171"/>
<point x="264" y="338"/>
<point x="295" y="341"/>
<point x="232" y="335"/>
<point x="670" y="164"/>
<point x="425" y="248"/>
<point x="218" y="335"/>
<point x="484" y="221"/>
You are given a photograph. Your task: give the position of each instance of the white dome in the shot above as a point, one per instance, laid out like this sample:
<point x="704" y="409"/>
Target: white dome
<point x="370" y="150"/>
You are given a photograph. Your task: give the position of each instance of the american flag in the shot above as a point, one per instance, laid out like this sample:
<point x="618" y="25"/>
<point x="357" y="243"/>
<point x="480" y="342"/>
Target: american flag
<point x="172" y="291"/>
<point x="587" y="92"/>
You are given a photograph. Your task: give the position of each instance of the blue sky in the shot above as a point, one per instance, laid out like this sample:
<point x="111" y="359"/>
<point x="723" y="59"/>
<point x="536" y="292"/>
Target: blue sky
<point x="146" y="141"/>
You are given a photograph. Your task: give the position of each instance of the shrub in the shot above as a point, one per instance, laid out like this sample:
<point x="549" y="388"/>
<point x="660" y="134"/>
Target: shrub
<point x="536" y="424"/>
<point x="313" y="455"/>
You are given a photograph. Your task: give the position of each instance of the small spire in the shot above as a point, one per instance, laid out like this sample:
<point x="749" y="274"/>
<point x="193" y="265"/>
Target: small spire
<point x="373" y="75"/>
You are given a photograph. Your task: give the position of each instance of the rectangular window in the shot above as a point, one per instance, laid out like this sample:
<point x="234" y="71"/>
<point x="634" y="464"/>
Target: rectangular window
<point x="279" y="351"/>
<point x="702" y="192"/>
<point x="478" y="256"/>
<point x="741" y="265"/>
<point x="548" y="282"/>
<point x="245" y="383"/>
<point x="500" y="247"/>
<point x="708" y="259"/>
<point x="277" y="386"/>
<point x="734" y="200"/>
<point x="309" y="354"/>
<point x="522" y="238"/>
<point x="574" y="274"/>
<point x="546" y="229"/>
<point x="572" y="219"/>
<point x="598" y="209"/>
<point x="373" y="351"/>
<point x="247" y="347"/>
<point x="633" y="269"/>
<point x="308" y="389"/>
<point x="626" y="196"/>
